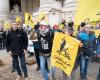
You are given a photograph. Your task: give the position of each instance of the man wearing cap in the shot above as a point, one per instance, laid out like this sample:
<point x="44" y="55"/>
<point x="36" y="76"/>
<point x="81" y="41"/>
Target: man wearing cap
<point x="45" y="38"/>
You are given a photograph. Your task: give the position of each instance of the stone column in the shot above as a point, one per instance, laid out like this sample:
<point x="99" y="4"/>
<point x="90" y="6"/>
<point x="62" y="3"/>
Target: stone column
<point x="52" y="9"/>
<point x="36" y="5"/>
<point x="45" y="1"/>
<point x="30" y="3"/>
<point x="45" y="5"/>
<point x="23" y="6"/>
<point x="69" y="9"/>
<point x="55" y="12"/>
<point x="4" y="9"/>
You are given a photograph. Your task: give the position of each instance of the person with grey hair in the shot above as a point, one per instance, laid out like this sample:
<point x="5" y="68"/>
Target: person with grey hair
<point x="16" y="45"/>
<point x="92" y="41"/>
<point x="85" y="50"/>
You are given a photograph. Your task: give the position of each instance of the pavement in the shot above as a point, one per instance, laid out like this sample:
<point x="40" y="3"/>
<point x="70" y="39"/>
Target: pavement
<point x="5" y="70"/>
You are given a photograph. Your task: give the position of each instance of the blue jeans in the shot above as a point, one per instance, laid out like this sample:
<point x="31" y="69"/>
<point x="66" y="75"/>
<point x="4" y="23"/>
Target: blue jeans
<point x="16" y="59"/>
<point x="13" y="64"/>
<point x="43" y="68"/>
<point x="84" y="63"/>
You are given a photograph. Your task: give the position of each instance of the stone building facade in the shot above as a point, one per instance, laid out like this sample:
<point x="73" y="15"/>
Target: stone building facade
<point x="54" y="9"/>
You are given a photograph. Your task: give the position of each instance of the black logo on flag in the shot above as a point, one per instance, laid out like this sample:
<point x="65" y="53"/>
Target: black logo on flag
<point x="63" y="49"/>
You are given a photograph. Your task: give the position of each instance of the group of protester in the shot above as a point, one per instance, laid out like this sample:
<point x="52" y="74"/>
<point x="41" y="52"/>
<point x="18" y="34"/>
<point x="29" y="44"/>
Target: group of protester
<point x="42" y="37"/>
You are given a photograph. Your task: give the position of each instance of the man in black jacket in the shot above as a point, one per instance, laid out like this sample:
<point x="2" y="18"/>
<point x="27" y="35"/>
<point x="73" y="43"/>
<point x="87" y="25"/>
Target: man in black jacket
<point x="16" y="44"/>
<point x="1" y="39"/>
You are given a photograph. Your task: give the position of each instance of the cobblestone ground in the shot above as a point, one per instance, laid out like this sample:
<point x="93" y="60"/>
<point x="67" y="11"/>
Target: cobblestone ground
<point x="5" y="71"/>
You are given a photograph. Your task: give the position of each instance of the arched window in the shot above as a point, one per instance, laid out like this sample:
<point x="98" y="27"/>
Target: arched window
<point x="15" y="2"/>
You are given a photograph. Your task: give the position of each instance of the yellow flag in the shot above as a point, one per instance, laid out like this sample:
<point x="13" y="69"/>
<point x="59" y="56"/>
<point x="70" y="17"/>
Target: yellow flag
<point x="97" y="32"/>
<point x="64" y="52"/>
<point x="36" y="20"/>
<point x="41" y="15"/>
<point x="47" y="19"/>
<point x="18" y="19"/>
<point x="7" y="25"/>
<point x="29" y="20"/>
<point x="88" y="10"/>
<point x="26" y="18"/>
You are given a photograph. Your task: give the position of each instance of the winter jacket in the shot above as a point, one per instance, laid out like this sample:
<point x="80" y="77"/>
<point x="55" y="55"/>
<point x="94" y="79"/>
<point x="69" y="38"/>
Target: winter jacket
<point x="45" y="42"/>
<point x="16" y="41"/>
<point x="84" y="38"/>
<point x="98" y="45"/>
<point x="92" y="42"/>
<point x="1" y="35"/>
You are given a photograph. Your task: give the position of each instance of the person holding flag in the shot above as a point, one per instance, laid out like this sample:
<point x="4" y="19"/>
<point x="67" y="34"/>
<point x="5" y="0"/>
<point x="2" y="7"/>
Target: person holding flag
<point x="84" y="52"/>
<point x="69" y="30"/>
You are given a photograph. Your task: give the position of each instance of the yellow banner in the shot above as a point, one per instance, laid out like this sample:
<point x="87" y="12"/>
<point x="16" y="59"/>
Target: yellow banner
<point x="97" y="32"/>
<point x="64" y="52"/>
<point x="61" y="26"/>
<point x="41" y="15"/>
<point x="88" y="10"/>
<point x="7" y="25"/>
<point x="29" y="20"/>
<point x="18" y="19"/>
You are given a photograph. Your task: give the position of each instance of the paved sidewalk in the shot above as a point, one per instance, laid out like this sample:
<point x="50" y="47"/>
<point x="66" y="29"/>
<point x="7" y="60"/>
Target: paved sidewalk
<point x="5" y="71"/>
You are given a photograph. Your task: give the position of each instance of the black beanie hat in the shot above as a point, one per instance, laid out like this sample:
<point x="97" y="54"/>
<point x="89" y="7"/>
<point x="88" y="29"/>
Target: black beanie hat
<point x="82" y="24"/>
<point x="70" y="24"/>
